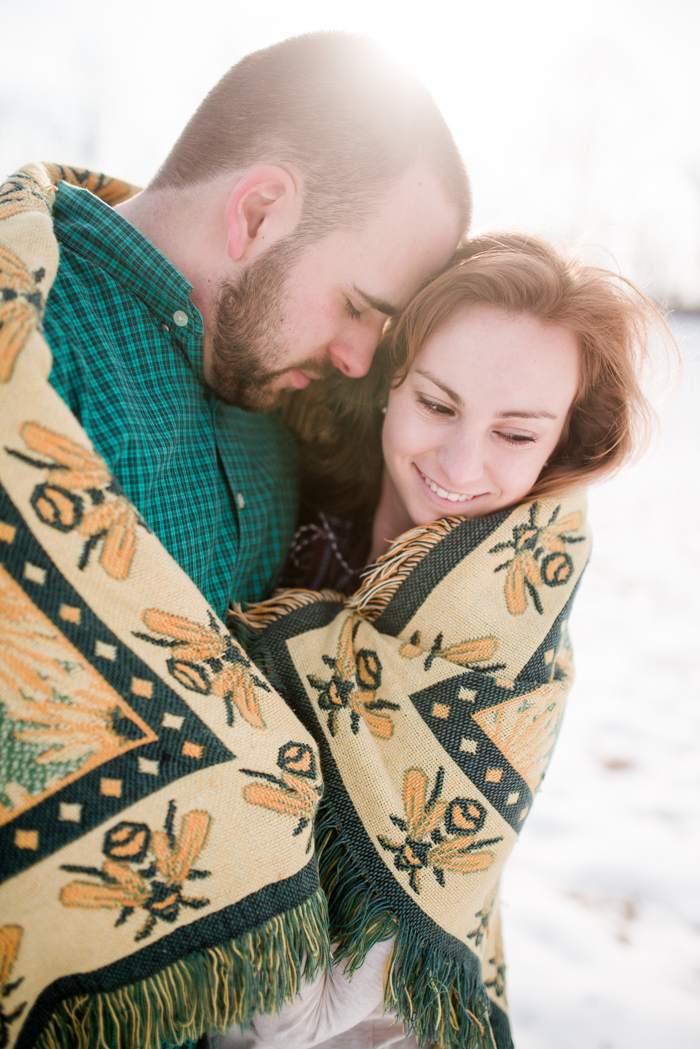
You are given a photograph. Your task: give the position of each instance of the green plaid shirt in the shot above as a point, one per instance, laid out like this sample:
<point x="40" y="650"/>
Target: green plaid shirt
<point x="217" y="485"/>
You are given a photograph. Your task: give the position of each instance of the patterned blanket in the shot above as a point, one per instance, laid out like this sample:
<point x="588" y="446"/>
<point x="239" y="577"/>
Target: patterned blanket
<point x="158" y="876"/>
<point x="158" y="797"/>
<point x="435" y="695"/>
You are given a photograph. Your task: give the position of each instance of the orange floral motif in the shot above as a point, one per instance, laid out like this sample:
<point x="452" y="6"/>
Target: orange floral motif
<point x="353" y="686"/>
<point x="10" y="937"/>
<point x="439" y="835"/>
<point x="22" y="297"/>
<point x="539" y="557"/>
<point x="27" y="190"/>
<point x="464" y="653"/>
<point x="32" y="188"/>
<point x="81" y="494"/>
<point x="296" y="792"/>
<point x="207" y="660"/>
<point x="155" y="887"/>
<point x="21" y="303"/>
<point x="111" y="190"/>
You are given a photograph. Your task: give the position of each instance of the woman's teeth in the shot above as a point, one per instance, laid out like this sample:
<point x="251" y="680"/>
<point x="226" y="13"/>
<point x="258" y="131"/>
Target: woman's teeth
<point x="454" y="497"/>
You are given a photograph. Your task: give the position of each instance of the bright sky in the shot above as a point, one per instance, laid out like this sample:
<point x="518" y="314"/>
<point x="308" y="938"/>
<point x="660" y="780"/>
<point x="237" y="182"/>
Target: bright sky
<point x="577" y="120"/>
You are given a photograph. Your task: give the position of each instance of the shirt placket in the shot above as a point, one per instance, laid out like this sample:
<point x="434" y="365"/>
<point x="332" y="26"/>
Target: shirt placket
<point x="242" y="496"/>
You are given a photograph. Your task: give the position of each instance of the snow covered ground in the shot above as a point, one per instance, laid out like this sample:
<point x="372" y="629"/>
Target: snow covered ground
<point x="602" y="894"/>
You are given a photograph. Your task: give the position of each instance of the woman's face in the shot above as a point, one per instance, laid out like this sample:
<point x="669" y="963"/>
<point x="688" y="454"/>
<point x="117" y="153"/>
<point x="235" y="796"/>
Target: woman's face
<point x="479" y="413"/>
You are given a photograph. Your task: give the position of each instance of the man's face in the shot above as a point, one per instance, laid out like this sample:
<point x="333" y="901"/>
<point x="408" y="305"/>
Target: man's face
<point x="299" y="310"/>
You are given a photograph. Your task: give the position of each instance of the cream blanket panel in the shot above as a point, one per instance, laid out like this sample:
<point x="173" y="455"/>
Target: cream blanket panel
<point x="494" y="614"/>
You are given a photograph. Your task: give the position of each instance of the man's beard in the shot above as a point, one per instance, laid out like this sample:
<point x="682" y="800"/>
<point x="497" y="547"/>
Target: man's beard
<point x="248" y="352"/>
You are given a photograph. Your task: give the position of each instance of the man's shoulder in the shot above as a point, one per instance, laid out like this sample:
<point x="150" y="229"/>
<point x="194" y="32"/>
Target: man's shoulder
<point x="79" y="310"/>
<point x="76" y="281"/>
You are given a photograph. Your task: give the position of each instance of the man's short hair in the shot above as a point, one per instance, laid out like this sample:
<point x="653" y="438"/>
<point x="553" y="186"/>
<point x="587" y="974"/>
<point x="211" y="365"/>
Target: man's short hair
<point x="333" y="107"/>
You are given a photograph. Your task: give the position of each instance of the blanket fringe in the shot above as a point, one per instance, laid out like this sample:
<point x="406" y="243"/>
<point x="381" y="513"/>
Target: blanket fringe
<point x="381" y="580"/>
<point x="210" y="990"/>
<point x="436" y="997"/>
<point x="380" y="583"/>
<point x="264" y="613"/>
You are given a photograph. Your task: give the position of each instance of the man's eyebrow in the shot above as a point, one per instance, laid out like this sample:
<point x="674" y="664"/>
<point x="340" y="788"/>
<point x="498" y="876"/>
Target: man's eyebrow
<point x="377" y="304"/>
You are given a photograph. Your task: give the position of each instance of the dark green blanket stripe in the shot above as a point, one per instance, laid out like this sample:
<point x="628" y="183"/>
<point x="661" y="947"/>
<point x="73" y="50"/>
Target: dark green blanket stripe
<point x="211" y="931"/>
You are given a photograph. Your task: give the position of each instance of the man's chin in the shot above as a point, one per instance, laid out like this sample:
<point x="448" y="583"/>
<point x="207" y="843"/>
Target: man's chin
<point x="256" y="399"/>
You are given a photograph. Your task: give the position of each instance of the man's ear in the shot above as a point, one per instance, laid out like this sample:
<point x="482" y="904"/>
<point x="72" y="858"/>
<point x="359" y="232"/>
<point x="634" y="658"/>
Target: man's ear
<point x="264" y="206"/>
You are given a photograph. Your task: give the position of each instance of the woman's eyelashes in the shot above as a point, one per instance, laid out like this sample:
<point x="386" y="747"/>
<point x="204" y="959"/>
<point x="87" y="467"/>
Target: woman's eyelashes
<point x="434" y="407"/>
<point x="517" y="438"/>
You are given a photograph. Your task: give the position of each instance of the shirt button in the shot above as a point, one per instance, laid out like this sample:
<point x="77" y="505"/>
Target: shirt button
<point x="240" y="500"/>
<point x="166" y="328"/>
<point x="180" y="318"/>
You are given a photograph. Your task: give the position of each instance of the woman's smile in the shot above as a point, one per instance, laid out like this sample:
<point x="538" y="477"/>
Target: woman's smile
<point x="442" y="493"/>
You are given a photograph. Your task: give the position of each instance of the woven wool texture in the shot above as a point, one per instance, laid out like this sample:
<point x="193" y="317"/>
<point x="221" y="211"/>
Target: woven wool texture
<point x="150" y="890"/>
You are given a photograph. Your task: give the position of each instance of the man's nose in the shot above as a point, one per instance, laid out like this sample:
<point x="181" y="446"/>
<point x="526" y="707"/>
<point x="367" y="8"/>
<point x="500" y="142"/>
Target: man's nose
<point x="353" y="352"/>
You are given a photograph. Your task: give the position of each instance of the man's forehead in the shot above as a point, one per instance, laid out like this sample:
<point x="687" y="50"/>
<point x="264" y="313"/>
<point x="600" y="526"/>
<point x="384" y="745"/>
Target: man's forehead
<point x="413" y="236"/>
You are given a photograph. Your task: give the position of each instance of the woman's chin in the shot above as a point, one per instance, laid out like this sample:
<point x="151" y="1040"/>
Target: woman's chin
<point x="434" y="513"/>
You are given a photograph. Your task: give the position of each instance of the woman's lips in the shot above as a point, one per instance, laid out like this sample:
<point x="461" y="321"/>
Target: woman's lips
<point x="442" y="495"/>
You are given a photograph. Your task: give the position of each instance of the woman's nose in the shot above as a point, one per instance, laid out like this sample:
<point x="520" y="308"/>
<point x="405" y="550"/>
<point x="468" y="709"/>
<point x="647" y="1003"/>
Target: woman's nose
<point x="462" y="460"/>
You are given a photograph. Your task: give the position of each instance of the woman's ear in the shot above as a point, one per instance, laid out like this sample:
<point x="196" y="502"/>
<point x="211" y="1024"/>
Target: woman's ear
<point x="263" y="207"/>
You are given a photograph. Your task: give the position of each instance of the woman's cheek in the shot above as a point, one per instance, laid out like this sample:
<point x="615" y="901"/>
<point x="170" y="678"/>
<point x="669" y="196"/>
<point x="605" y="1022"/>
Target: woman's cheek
<point x="399" y="428"/>
<point x="520" y="474"/>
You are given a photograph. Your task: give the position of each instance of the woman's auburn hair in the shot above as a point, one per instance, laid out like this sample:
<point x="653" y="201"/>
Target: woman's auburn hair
<point x="339" y="420"/>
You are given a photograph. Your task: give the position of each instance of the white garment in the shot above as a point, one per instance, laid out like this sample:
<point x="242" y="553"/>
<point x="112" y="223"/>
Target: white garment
<point x="331" y="1012"/>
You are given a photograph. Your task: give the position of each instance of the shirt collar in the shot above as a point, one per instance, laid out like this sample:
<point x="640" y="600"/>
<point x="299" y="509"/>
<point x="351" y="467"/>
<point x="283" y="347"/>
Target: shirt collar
<point x="103" y="237"/>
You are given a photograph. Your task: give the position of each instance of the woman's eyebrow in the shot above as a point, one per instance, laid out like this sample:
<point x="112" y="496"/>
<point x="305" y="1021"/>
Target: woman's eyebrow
<point x="446" y="389"/>
<point x="515" y="414"/>
<point x="381" y="305"/>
